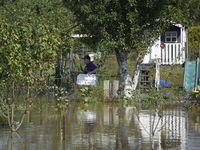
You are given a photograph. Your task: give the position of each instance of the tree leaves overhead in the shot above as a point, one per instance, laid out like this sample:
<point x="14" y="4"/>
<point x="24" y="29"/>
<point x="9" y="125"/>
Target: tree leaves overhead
<point x="121" y="23"/>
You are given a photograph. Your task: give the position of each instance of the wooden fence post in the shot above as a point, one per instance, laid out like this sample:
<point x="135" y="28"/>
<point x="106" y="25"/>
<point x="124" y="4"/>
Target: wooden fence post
<point x="115" y="88"/>
<point x="106" y="89"/>
<point x="70" y="63"/>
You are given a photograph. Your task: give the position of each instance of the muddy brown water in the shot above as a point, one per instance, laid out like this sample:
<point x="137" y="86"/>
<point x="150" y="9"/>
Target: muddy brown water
<point x="103" y="126"/>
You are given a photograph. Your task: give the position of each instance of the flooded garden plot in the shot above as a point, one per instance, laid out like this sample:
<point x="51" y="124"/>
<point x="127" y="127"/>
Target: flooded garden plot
<point x="134" y="47"/>
<point x="102" y="126"/>
<point x="46" y="116"/>
<point x="81" y="118"/>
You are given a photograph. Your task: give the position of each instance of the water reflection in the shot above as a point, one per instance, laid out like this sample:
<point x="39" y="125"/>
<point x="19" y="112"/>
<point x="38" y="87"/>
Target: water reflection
<point x="105" y="126"/>
<point x="163" y="131"/>
<point x="10" y="143"/>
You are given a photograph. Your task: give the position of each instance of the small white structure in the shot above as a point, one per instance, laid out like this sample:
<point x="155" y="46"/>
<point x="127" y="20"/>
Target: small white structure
<point x="91" y="57"/>
<point x="174" y="50"/>
<point x="87" y="79"/>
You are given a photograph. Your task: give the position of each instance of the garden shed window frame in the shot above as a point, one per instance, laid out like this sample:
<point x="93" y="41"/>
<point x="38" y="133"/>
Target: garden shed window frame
<point x="171" y="36"/>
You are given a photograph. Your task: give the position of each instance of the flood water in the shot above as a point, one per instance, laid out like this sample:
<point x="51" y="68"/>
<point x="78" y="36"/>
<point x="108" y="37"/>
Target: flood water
<point x="103" y="126"/>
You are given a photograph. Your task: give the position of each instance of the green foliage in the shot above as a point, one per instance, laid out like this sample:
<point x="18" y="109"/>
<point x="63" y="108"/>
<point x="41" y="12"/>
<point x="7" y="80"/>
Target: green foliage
<point x="61" y="93"/>
<point x="84" y="91"/>
<point x="79" y="44"/>
<point x="31" y="36"/>
<point x="126" y="24"/>
<point x="194" y="41"/>
<point x="32" y="32"/>
<point x="21" y="54"/>
<point x="87" y="94"/>
<point x="193" y="101"/>
<point x="194" y="9"/>
<point x="154" y="97"/>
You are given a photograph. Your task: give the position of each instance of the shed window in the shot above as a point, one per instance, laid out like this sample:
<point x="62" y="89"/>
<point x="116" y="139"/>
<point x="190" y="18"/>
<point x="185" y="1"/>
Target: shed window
<point x="171" y="36"/>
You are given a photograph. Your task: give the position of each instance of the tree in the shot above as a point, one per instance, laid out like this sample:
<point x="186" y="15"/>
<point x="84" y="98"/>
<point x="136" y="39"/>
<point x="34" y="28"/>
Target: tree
<point x="32" y="32"/>
<point x="194" y="12"/>
<point x="127" y="25"/>
<point x="194" y="41"/>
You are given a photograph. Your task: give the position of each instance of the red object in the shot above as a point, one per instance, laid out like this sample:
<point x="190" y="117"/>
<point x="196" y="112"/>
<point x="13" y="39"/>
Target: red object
<point x="162" y="45"/>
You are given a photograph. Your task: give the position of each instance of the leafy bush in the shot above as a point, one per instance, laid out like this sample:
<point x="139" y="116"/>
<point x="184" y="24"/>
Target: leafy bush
<point x="194" y="41"/>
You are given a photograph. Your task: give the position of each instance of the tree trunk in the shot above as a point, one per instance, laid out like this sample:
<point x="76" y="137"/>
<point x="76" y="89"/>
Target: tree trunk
<point x="126" y="83"/>
<point x="137" y="71"/>
<point x="125" y="79"/>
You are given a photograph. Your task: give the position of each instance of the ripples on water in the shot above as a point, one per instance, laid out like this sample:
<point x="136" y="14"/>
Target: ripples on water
<point x="103" y="126"/>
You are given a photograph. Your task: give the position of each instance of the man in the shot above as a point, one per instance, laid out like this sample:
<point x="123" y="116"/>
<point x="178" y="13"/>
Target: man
<point x="90" y="68"/>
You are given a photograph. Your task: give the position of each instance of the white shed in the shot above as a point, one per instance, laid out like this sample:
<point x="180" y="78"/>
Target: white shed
<point x="174" y="50"/>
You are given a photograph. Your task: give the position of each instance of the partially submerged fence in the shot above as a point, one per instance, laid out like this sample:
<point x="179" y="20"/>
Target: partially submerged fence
<point x="111" y="90"/>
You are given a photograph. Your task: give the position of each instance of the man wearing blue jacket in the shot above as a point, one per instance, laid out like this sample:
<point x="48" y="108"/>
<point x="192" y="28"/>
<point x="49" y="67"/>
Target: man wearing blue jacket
<point x="90" y="68"/>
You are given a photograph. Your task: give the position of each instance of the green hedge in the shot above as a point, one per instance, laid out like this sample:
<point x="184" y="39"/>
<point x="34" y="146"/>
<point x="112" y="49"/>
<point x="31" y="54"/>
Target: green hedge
<point x="194" y="40"/>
